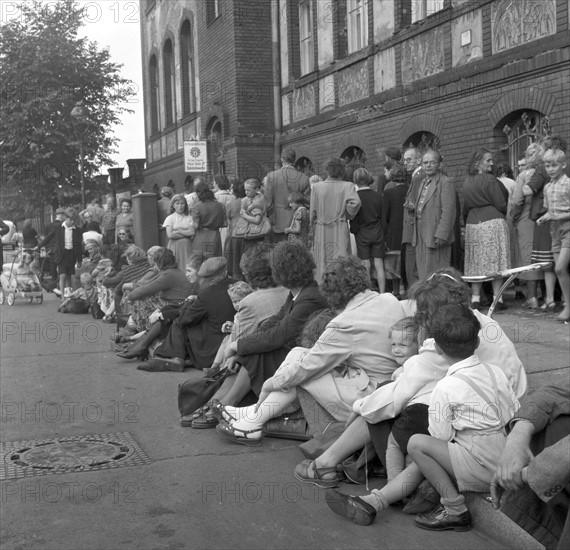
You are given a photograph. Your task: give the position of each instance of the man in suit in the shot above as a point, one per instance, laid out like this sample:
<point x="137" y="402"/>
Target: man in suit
<point x="197" y="332"/>
<point x="413" y="166"/>
<point x="279" y="184"/>
<point x="49" y="242"/>
<point x="434" y="214"/>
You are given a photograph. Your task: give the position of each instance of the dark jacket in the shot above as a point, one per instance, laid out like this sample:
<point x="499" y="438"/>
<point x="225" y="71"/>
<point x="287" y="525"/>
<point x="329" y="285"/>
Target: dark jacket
<point x="49" y="241"/>
<point x="59" y="244"/>
<point x="284" y="328"/>
<point x="203" y="319"/>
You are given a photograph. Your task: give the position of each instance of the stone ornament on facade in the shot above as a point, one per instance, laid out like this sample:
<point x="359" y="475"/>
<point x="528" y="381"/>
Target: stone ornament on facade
<point x="353" y="83"/>
<point x="423" y="56"/>
<point x="516" y="22"/>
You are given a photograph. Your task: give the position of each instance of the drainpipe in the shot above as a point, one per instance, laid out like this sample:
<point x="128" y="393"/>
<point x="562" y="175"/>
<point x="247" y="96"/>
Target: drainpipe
<point x="276" y="51"/>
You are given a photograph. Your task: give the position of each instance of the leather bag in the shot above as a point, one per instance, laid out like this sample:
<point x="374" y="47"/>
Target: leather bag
<point x="193" y="393"/>
<point x="258" y="231"/>
<point x="288" y="426"/>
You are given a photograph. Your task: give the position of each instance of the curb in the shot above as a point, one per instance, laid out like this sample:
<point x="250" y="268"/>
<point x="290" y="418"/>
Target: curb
<point x="496" y="526"/>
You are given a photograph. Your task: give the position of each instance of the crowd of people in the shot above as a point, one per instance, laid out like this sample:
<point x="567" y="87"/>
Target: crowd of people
<point x="256" y="280"/>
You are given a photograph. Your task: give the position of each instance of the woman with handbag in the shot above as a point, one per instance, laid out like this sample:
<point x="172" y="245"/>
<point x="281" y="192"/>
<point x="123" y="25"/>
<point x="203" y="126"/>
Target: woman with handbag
<point x="209" y="217"/>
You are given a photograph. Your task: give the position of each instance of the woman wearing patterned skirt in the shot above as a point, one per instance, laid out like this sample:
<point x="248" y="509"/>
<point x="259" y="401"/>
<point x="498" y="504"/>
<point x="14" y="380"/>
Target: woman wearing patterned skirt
<point x="487" y="246"/>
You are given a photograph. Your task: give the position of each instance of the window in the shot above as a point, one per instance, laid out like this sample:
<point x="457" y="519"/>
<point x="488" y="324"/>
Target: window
<point x="424" y="8"/>
<point x="357" y="11"/>
<point x="213" y="10"/>
<point x="521" y="129"/>
<point x="306" y="44"/>
<point x="187" y="69"/>
<point x="215" y="149"/>
<point x="168" y="61"/>
<point x="154" y="97"/>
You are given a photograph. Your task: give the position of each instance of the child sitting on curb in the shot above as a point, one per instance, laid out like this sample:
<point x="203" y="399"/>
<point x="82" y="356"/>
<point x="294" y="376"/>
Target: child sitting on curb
<point x="82" y="299"/>
<point x="467" y="413"/>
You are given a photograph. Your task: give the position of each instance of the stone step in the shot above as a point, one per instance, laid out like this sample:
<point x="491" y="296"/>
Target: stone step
<point x="496" y="526"/>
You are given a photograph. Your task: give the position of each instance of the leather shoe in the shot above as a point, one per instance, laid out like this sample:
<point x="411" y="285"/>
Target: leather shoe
<point x="162" y="364"/>
<point x="440" y="520"/>
<point x="350" y="507"/>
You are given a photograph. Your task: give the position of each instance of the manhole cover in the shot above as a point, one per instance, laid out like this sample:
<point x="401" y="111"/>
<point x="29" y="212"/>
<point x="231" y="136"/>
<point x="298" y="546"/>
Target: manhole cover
<point x="70" y="454"/>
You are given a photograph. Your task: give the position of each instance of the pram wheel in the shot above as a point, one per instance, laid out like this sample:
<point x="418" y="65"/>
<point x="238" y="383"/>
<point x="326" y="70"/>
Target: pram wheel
<point x="11" y="299"/>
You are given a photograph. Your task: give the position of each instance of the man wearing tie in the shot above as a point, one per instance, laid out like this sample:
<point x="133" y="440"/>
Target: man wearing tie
<point x="433" y="217"/>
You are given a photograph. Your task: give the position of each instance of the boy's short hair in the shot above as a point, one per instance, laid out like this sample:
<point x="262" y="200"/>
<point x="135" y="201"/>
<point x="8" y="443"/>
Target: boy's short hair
<point x="361" y="177"/>
<point x="455" y="330"/>
<point x="409" y="325"/>
<point x="554" y="155"/>
<point x="86" y="278"/>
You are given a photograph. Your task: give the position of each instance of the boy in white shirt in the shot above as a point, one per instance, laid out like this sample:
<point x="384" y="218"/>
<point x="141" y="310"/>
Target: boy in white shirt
<point x="468" y="409"/>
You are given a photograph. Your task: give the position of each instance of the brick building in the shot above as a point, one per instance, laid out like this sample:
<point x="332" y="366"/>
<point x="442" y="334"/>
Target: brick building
<point x="348" y="77"/>
<point x="207" y="71"/>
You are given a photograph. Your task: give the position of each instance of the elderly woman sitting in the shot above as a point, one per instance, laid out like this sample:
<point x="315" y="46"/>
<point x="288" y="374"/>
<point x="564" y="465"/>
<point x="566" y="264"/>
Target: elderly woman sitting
<point x="197" y="332"/>
<point x="357" y="337"/>
<point x="137" y="266"/>
<point x="263" y="303"/>
<point x="89" y="263"/>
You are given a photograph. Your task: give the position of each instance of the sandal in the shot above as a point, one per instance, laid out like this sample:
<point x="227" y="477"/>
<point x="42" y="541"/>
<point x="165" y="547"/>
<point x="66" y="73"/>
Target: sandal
<point x="242" y="437"/>
<point x="307" y="472"/>
<point x="205" y="422"/>
<point x="548" y="305"/>
<point x="219" y="411"/>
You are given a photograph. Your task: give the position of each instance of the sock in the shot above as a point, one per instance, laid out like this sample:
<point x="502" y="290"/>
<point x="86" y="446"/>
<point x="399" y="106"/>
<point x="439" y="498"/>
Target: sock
<point x="454" y="506"/>
<point x="250" y="419"/>
<point x="476" y="298"/>
<point x="377" y="500"/>
<point x="500" y="299"/>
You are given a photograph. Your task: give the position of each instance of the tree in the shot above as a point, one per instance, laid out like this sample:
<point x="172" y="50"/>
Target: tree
<point x="45" y="69"/>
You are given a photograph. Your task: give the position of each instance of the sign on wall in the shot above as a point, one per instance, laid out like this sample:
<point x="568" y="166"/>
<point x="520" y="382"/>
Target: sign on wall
<point x="195" y="156"/>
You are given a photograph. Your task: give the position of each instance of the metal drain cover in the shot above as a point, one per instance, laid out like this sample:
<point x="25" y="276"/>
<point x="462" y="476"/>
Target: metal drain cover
<point x="70" y="454"/>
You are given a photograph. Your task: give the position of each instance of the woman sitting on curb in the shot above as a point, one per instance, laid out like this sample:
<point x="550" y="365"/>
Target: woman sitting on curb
<point x="357" y="337"/>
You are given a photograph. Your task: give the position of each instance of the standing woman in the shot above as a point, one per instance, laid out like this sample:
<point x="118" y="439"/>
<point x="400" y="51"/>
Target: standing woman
<point x="487" y="246"/>
<point x="179" y="230"/>
<point x="30" y="235"/>
<point x="333" y="202"/>
<point x="209" y="217"/>
<point x="233" y="248"/>
<point x="108" y="221"/>
<point x="124" y="219"/>
<point x="524" y="227"/>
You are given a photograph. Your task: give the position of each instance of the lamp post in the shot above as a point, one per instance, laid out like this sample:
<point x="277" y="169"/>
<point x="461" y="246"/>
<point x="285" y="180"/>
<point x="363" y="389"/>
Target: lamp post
<point x="80" y="116"/>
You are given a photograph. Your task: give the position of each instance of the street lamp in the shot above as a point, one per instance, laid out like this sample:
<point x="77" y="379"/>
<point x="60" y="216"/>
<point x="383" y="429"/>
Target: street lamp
<point x="80" y="117"/>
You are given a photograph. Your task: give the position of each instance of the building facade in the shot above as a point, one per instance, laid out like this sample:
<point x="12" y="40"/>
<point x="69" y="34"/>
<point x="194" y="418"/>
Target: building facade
<point x="207" y="74"/>
<point x="348" y="77"/>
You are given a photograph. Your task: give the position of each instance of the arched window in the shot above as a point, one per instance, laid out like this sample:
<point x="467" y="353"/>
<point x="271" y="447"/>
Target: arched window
<point x="422" y="141"/>
<point x="187" y="68"/>
<point x="355" y="158"/>
<point x="155" y="189"/>
<point x="170" y="184"/>
<point x="189" y="184"/>
<point x="169" y="86"/>
<point x="519" y="129"/>
<point x="305" y="166"/>
<point x="154" y="101"/>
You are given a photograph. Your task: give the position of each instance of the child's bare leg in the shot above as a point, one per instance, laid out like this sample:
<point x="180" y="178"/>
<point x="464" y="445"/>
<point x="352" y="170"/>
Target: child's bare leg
<point x="432" y="457"/>
<point x="561" y="268"/>
<point x="380" y="276"/>
<point x="395" y="458"/>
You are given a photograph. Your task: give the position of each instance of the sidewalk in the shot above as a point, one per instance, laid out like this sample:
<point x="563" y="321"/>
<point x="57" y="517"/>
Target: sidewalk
<point x="185" y="488"/>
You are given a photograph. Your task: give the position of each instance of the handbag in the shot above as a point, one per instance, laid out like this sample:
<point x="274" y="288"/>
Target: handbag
<point x="258" y="231"/>
<point x="193" y="393"/>
<point x="288" y="426"/>
<point x="240" y="228"/>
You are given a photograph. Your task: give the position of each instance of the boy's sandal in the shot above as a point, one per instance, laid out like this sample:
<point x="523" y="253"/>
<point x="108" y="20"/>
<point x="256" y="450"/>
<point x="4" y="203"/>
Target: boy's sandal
<point x="307" y="472"/>
<point x="249" y="438"/>
<point x="205" y="422"/>
<point x="548" y="305"/>
<point x="219" y="411"/>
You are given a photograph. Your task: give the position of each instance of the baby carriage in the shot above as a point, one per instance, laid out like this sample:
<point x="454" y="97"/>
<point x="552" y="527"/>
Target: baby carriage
<point x="19" y="280"/>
